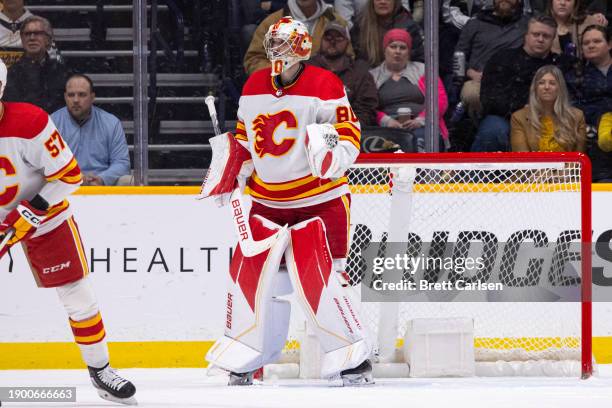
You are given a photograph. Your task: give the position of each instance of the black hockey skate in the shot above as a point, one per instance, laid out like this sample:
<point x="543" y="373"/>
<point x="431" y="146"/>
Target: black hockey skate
<point x="111" y="386"/>
<point x="360" y="375"/>
<point x="241" y="378"/>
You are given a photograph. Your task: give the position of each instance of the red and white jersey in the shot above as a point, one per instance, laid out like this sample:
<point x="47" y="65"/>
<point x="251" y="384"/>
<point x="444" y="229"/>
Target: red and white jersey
<point x="272" y="126"/>
<point x="32" y="153"/>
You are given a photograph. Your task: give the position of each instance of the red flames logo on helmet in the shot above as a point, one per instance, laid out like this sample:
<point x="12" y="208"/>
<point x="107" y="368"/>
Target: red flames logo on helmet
<point x="300" y="44"/>
<point x="265" y="126"/>
<point x="280" y="22"/>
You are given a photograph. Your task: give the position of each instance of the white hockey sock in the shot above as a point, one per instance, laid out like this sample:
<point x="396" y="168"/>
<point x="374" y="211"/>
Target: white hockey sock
<point x="85" y="321"/>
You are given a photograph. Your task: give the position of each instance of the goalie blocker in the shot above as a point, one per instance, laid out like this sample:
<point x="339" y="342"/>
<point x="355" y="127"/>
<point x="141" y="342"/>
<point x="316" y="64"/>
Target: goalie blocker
<point x="327" y="156"/>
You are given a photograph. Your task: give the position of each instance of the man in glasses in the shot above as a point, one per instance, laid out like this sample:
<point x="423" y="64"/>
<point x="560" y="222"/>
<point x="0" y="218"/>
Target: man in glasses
<point x="36" y="77"/>
<point x="12" y="17"/>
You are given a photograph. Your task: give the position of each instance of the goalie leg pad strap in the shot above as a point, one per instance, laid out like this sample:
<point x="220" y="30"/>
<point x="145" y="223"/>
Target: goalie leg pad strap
<point x="255" y="319"/>
<point x="326" y="303"/>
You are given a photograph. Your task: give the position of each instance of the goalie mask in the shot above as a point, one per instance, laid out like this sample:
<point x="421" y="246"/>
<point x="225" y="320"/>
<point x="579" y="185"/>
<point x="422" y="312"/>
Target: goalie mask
<point x="3" y="73"/>
<point x="286" y="43"/>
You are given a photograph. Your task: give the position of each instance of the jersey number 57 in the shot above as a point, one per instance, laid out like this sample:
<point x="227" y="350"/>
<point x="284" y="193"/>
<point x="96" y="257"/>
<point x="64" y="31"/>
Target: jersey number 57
<point x="55" y="144"/>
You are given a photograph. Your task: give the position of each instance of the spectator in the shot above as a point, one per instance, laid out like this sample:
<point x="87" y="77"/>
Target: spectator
<point x="548" y="123"/>
<point x="95" y="136"/>
<point x="401" y="84"/>
<point x="571" y="21"/>
<point x="591" y="89"/>
<point x="314" y="13"/>
<point x="360" y="87"/>
<point x="506" y="81"/>
<point x="502" y="27"/>
<point x="379" y="17"/>
<point x="35" y="77"/>
<point x="351" y="9"/>
<point x="12" y="17"/>
<point x="454" y="15"/>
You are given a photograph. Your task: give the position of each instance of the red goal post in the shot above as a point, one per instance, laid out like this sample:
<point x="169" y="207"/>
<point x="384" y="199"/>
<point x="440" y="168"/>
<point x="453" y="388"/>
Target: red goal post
<point x="488" y="173"/>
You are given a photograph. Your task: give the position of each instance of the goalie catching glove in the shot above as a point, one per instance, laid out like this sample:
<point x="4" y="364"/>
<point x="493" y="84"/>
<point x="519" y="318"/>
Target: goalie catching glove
<point x="328" y="157"/>
<point x="23" y="220"/>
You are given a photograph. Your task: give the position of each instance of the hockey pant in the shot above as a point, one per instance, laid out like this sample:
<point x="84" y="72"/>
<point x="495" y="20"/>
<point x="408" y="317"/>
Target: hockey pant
<point x="257" y="318"/>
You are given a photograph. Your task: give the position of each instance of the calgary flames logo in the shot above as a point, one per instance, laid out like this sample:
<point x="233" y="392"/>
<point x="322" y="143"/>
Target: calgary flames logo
<point x="265" y="126"/>
<point x="10" y="192"/>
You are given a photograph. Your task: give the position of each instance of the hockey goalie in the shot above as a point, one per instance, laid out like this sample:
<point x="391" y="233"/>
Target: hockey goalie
<point x="295" y="137"/>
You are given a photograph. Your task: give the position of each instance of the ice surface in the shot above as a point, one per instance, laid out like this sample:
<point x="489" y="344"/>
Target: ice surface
<point x="193" y="388"/>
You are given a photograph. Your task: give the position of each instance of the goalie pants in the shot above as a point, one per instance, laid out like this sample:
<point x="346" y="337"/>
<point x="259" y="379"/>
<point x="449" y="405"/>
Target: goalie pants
<point x="334" y="213"/>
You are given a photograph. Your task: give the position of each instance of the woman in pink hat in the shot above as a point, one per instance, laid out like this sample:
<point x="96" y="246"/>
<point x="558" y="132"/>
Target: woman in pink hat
<point x="401" y="89"/>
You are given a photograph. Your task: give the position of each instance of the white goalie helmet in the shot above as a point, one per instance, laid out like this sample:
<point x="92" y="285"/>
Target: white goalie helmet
<point x="286" y="43"/>
<point x="3" y="74"/>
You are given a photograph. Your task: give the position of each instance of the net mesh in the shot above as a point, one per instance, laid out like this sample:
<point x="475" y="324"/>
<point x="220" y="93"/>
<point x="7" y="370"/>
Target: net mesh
<point x="461" y="202"/>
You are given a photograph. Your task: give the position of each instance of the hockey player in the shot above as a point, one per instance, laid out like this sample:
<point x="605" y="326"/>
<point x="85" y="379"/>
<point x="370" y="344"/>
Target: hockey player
<point x="37" y="172"/>
<point x="296" y="136"/>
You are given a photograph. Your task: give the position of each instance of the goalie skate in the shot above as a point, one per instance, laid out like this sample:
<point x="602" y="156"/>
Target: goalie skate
<point x="111" y="386"/>
<point x="360" y="375"/>
<point x="241" y="378"/>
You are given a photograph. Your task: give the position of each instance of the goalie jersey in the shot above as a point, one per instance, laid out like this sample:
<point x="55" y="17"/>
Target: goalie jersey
<point x="272" y="127"/>
<point x="32" y="153"/>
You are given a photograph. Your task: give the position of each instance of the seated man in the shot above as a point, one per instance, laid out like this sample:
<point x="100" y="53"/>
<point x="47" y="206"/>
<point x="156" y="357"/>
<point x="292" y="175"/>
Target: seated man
<point x="501" y="27"/>
<point x="36" y="78"/>
<point x="94" y="135"/>
<point x="360" y="87"/>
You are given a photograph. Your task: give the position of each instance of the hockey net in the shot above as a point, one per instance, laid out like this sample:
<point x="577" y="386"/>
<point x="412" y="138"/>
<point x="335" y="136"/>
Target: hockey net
<point x="463" y="196"/>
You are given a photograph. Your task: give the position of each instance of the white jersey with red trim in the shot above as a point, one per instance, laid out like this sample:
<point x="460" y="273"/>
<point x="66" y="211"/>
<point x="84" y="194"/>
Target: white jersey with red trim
<point x="272" y="126"/>
<point x="32" y="154"/>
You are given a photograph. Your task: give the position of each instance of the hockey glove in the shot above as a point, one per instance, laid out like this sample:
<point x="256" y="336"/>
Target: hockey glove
<point x="23" y="220"/>
<point x="231" y="162"/>
<point x="321" y="145"/>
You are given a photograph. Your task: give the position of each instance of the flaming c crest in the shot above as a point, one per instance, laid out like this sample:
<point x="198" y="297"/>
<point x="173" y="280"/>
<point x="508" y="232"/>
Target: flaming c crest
<point x="265" y="126"/>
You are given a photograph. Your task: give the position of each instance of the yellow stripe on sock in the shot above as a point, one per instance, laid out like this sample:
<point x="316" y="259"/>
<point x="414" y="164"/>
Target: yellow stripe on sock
<point x="90" y="339"/>
<point x="86" y="323"/>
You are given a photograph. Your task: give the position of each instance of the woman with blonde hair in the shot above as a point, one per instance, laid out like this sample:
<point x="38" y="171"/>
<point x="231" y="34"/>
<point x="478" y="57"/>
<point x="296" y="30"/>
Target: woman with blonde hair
<point x="549" y="123"/>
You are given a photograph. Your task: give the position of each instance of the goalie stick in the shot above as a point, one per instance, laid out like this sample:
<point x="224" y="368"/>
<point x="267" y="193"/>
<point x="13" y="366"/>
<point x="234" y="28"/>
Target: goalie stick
<point x="6" y="238"/>
<point x="240" y="219"/>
